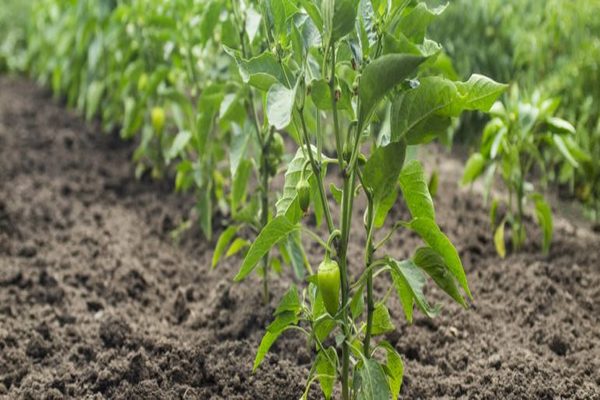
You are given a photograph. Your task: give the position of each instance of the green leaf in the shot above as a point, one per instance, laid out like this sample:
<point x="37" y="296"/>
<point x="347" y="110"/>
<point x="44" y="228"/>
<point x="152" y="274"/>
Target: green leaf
<point x="276" y="230"/>
<point x="433" y="236"/>
<point x="473" y="169"/>
<point x="422" y="113"/>
<point x="238" y="245"/>
<point x="382" y="323"/>
<point x="544" y="217"/>
<point x="371" y="381"/>
<point x="94" y="95"/>
<point x="297" y="256"/>
<point x="479" y="92"/>
<point x="339" y="17"/>
<point x="280" y="104"/>
<point x="289" y="302"/>
<point x="383" y="168"/>
<point x="380" y="77"/>
<point x="326" y="367"/>
<point x="559" y="125"/>
<point x="261" y="71"/>
<point x="433" y="264"/>
<point x="357" y="303"/>
<point x="222" y="243"/>
<point x="416" y="191"/>
<point x="499" y="240"/>
<point x="288" y="204"/>
<point x="181" y="140"/>
<point x="409" y="282"/>
<point x="564" y="150"/>
<point x="240" y="181"/>
<point x="433" y="183"/>
<point x="383" y="207"/>
<point x="414" y="23"/>
<point x="274" y="330"/>
<point x="395" y="368"/>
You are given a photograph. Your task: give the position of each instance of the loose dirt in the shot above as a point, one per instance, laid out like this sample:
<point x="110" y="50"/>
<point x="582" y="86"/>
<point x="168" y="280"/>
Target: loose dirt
<point x="97" y="301"/>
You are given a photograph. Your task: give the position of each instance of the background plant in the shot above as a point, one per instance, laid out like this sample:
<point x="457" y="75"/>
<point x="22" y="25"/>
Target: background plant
<point x="522" y="136"/>
<point x="326" y="76"/>
<point x="548" y="46"/>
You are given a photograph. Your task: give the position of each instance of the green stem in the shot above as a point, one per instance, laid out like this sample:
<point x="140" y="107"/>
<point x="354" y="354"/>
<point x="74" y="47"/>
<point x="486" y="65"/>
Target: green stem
<point x="316" y="169"/>
<point x="264" y="219"/>
<point x="368" y="260"/>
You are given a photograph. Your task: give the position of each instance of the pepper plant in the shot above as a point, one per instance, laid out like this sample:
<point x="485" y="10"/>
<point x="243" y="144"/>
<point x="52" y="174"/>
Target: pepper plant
<point x="355" y="73"/>
<point x="522" y="135"/>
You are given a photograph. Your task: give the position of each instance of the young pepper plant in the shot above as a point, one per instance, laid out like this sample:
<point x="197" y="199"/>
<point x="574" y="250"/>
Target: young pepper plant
<point x="521" y="136"/>
<point x="353" y="71"/>
<point x="252" y="22"/>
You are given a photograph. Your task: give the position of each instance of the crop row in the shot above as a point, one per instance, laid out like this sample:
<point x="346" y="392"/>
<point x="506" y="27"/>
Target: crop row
<point x="211" y="88"/>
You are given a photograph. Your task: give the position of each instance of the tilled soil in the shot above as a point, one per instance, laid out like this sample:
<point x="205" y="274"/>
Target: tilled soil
<point x="97" y="301"/>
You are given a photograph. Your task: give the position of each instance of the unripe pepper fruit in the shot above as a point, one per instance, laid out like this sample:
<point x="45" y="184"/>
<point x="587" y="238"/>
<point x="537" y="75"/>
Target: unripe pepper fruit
<point x="157" y="116"/>
<point x="303" y="189"/>
<point x="329" y="284"/>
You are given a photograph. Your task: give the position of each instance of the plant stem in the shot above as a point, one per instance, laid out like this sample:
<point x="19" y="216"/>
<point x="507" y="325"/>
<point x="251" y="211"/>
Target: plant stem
<point x="348" y="193"/>
<point x="316" y="169"/>
<point x="368" y="260"/>
<point x="264" y="219"/>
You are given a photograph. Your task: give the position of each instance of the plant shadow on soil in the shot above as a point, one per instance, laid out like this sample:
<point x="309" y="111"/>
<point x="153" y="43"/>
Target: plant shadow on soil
<point x="97" y="302"/>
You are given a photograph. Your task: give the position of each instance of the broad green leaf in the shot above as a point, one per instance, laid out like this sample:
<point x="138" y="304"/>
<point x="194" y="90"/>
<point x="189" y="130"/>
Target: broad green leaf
<point x="181" y="140"/>
<point x="433" y="264"/>
<point x="473" y="169"/>
<point x="414" y="23"/>
<point x="380" y="77"/>
<point x="326" y="367"/>
<point x="433" y="236"/>
<point x="382" y="323"/>
<point x="479" y="92"/>
<point x="339" y="17"/>
<point x="416" y="191"/>
<point x="261" y="71"/>
<point x="288" y="205"/>
<point x="253" y="20"/>
<point x="499" y="240"/>
<point x="409" y="282"/>
<point x="297" y="256"/>
<point x="383" y="168"/>
<point x="357" y="303"/>
<point x="422" y="113"/>
<point x="395" y="368"/>
<point x="222" y="243"/>
<point x="383" y="207"/>
<point x="544" y="217"/>
<point x="238" y="245"/>
<point x="276" y="230"/>
<point x="371" y="381"/>
<point x="564" y="150"/>
<point x="559" y="125"/>
<point x="274" y="330"/>
<point x="289" y="302"/>
<point x="336" y="193"/>
<point x="313" y="12"/>
<point x="280" y="105"/>
<point x="240" y="181"/>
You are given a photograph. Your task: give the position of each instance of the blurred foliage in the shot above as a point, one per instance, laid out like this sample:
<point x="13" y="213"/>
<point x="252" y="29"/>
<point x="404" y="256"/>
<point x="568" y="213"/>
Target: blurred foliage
<point x="548" y="46"/>
<point x="14" y="16"/>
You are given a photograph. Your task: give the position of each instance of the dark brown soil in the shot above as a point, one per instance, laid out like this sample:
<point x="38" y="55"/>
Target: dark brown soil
<point x="96" y="301"/>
